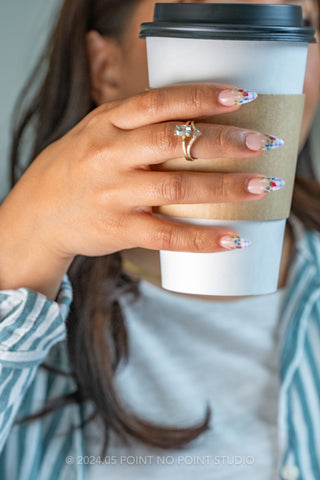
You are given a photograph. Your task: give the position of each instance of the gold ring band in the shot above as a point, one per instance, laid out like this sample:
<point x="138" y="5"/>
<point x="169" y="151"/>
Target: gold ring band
<point x="185" y="131"/>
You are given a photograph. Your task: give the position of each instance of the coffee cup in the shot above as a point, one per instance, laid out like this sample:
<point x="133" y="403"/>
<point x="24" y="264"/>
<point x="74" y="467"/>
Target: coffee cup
<point x="258" y="47"/>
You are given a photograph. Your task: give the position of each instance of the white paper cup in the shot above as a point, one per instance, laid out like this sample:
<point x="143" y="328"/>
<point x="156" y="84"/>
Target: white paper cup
<point x="248" y="271"/>
<point x="265" y="66"/>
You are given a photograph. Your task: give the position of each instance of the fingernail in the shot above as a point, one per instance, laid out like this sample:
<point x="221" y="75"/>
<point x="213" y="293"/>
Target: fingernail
<point x="260" y="185"/>
<point x="231" y="242"/>
<point x="236" y="96"/>
<point x="258" y="141"/>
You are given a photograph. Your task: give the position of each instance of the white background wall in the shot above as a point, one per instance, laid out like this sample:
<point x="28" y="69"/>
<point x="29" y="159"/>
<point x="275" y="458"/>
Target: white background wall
<point x="24" y="25"/>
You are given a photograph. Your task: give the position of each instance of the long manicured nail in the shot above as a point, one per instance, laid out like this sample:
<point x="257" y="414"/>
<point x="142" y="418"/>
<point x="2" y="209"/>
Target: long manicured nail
<point x="257" y="141"/>
<point x="231" y="242"/>
<point x="236" y="96"/>
<point x="260" y="185"/>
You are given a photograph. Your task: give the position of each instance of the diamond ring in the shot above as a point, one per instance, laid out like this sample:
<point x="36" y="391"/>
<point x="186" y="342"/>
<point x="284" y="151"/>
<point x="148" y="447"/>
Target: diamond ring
<point x="185" y="131"/>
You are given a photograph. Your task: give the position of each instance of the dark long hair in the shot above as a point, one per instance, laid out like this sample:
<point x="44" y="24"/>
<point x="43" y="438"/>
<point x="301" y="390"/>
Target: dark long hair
<point x="96" y="332"/>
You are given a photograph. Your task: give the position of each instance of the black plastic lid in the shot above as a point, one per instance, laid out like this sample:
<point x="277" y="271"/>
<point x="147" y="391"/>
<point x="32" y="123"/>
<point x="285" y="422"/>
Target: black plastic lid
<point x="229" y="21"/>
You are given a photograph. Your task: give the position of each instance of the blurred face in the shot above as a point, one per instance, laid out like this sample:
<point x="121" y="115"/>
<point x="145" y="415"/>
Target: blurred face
<point x="135" y="64"/>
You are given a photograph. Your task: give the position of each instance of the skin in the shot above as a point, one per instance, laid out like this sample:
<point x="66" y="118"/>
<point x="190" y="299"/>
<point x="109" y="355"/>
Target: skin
<point x="74" y="198"/>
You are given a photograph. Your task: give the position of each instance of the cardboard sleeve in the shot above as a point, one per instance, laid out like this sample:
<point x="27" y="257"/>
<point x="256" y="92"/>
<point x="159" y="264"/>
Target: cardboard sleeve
<point x="279" y="115"/>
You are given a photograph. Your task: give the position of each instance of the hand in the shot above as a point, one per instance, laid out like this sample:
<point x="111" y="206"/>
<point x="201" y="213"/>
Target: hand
<point x="91" y="192"/>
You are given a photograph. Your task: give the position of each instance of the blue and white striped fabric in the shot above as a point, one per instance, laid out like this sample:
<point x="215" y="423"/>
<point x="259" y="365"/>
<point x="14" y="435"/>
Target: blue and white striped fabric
<point x="299" y="403"/>
<point x="32" y="330"/>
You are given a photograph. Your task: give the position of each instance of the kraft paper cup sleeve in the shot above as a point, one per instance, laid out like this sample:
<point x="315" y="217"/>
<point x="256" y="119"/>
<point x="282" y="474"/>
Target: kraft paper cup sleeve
<point x="279" y="115"/>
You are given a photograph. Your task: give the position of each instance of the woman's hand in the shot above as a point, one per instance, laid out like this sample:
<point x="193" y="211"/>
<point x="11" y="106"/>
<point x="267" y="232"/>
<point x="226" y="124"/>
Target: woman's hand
<point x="91" y="192"/>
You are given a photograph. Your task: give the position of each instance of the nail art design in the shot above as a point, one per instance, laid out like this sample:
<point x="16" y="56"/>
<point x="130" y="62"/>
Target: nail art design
<point x="272" y="142"/>
<point x="274" y="184"/>
<point x="236" y="96"/>
<point x="265" y="184"/>
<point x="257" y="141"/>
<point x="246" y="96"/>
<point x="231" y="242"/>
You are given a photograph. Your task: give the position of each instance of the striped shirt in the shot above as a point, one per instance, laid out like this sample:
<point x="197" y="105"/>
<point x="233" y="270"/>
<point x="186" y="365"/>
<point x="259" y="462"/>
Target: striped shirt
<point x="32" y="330"/>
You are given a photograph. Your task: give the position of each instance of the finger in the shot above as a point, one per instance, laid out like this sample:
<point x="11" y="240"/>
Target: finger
<point x="179" y="101"/>
<point x="147" y="231"/>
<point x="166" y="188"/>
<point x="157" y="143"/>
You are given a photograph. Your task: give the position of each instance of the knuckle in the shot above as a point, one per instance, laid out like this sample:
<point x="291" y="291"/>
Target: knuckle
<point x="95" y="119"/>
<point x="199" y="97"/>
<point x="224" y="136"/>
<point x="200" y="241"/>
<point x="115" y="107"/>
<point x="173" y="187"/>
<point x="112" y="225"/>
<point x="93" y="159"/>
<point x="222" y="186"/>
<point x="164" y="140"/>
<point x="109" y="106"/>
<point x="152" y="102"/>
<point x="164" y="239"/>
